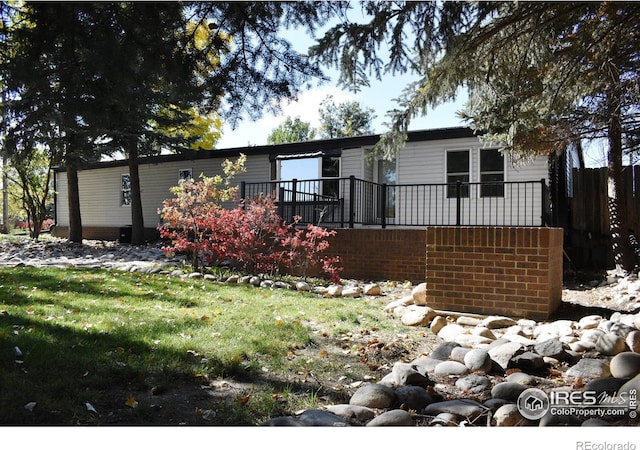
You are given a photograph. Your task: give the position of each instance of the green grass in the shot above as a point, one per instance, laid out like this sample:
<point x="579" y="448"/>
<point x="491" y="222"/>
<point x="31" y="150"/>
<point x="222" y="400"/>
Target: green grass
<point x="154" y="349"/>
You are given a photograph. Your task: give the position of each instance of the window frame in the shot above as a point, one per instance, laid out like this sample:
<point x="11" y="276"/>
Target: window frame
<point x="181" y="177"/>
<point x="488" y="191"/>
<point x="450" y="190"/>
<point x="125" y="200"/>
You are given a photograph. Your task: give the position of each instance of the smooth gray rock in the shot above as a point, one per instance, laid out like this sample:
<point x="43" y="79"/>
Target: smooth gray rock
<point x="610" y="344"/>
<point x="446" y="368"/>
<point x="633" y="341"/>
<point x="508" y="390"/>
<point x="472" y="340"/>
<point x="352" y="412"/>
<point x="413" y="397"/>
<point x="450" y="331"/>
<point x="521" y="378"/>
<point x="608" y="385"/>
<point x="468" y="321"/>
<point x="478" y="360"/>
<point x="320" y="418"/>
<point x="592" y="335"/>
<point x="625" y="365"/>
<point x="408" y="374"/>
<point x="557" y="420"/>
<point x="374" y="395"/>
<point x="551" y="347"/>
<point x="443" y="351"/>
<point x="595" y="422"/>
<point x="621" y="329"/>
<point x="393" y="418"/>
<point x="528" y="361"/>
<point x="497" y="343"/>
<point x="503" y="354"/>
<point x="473" y="383"/>
<point x="282" y="285"/>
<point x="632" y="384"/>
<point x="589" y="368"/>
<point x="493" y="322"/>
<point x="457" y="354"/>
<point x="508" y="415"/>
<point x="444" y="420"/>
<point x="464" y="408"/>
<point x="284" y="421"/>
<point x="589" y="322"/>
<point x="425" y="364"/>
<point x="417" y="316"/>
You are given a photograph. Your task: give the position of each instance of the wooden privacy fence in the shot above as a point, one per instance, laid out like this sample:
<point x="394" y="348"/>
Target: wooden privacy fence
<point x="588" y="241"/>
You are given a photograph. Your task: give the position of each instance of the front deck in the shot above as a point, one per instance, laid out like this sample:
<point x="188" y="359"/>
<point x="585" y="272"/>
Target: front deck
<point x="351" y="202"/>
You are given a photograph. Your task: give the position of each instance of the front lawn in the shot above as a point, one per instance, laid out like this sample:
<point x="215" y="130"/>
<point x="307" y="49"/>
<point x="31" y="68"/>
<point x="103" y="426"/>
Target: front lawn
<point x="110" y="347"/>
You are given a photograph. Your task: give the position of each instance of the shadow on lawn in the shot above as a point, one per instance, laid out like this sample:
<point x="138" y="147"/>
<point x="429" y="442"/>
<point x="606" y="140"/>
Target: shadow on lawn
<point x="61" y="369"/>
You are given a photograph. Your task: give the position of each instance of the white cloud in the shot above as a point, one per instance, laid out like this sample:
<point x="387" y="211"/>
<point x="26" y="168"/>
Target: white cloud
<point x="306" y="107"/>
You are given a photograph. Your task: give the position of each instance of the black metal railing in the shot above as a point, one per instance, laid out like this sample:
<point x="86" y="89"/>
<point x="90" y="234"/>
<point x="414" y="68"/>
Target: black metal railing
<point x="347" y="202"/>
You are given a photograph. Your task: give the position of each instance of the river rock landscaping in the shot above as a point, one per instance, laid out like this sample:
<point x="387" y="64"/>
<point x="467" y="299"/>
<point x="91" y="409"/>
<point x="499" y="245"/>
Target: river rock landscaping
<point x="480" y="365"/>
<point x="475" y="376"/>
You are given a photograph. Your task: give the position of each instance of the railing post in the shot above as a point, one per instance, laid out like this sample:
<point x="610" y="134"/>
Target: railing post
<point x="281" y="201"/>
<point x="294" y="190"/>
<point x="383" y="205"/>
<point x="543" y="200"/>
<point x="458" y="200"/>
<point x="243" y="192"/>
<point x="314" y="207"/>
<point x="352" y="190"/>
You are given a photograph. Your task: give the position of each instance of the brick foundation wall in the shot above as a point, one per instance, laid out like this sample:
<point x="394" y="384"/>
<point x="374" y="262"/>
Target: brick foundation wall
<point x="515" y="272"/>
<point x="380" y="254"/>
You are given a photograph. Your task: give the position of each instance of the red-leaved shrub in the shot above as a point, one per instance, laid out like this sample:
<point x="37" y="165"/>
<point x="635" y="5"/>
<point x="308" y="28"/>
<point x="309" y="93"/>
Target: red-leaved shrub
<point x="251" y="236"/>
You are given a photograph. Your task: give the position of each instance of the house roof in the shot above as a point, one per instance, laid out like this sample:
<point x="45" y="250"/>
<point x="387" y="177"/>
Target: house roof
<point x="310" y="147"/>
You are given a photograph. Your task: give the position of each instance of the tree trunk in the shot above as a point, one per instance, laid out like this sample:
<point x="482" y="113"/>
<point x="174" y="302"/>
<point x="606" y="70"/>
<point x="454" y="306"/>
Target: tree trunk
<point x="137" y="219"/>
<point x="75" y="220"/>
<point x="623" y="251"/>
<point x="5" y="194"/>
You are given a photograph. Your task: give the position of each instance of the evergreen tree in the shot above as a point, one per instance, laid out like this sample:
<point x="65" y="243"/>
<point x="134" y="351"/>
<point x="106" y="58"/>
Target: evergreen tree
<point x="130" y="75"/>
<point x="540" y="75"/>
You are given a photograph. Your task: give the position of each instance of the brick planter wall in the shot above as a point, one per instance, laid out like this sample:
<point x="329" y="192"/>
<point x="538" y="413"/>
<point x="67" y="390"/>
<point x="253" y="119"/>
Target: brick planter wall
<point x="515" y="272"/>
<point x="380" y="254"/>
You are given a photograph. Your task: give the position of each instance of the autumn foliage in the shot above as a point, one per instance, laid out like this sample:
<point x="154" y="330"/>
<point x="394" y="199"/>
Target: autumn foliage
<point x="251" y="236"/>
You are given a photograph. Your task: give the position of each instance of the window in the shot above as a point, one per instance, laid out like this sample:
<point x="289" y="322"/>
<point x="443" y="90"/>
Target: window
<point x="491" y="173"/>
<point x="185" y="174"/>
<point x="125" y="196"/>
<point x="311" y="168"/>
<point x="330" y="174"/>
<point x="387" y="175"/>
<point x="457" y="170"/>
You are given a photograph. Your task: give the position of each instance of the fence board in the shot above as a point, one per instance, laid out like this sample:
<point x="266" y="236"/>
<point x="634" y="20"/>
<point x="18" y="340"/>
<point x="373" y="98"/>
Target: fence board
<point x="588" y="236"/>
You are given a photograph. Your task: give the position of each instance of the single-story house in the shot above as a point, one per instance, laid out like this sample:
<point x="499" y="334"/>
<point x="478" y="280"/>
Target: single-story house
<point x="441" y="177"/>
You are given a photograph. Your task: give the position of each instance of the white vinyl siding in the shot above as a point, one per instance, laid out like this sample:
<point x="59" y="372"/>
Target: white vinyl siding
<point x="418" y="163"/>
<point x="101" y="189"/>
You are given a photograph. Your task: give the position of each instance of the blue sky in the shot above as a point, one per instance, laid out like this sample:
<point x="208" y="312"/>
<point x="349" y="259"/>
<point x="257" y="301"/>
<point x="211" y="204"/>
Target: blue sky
<point x="379" y="96"/>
